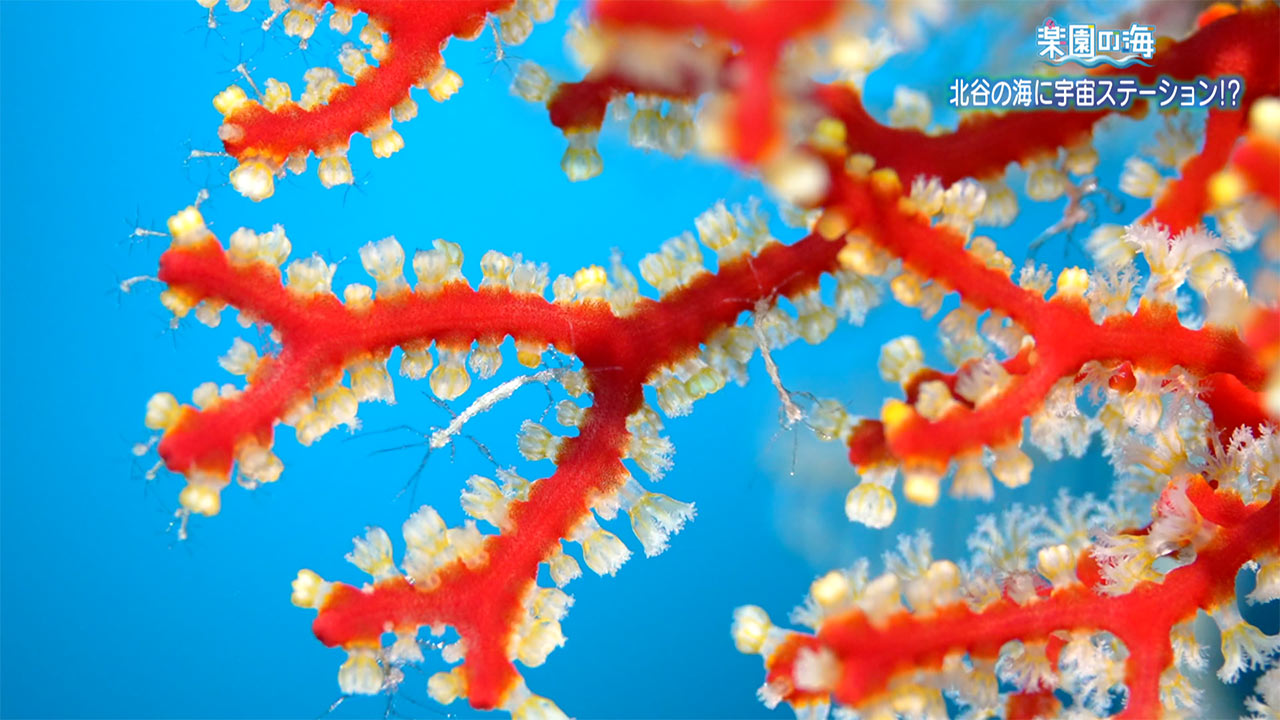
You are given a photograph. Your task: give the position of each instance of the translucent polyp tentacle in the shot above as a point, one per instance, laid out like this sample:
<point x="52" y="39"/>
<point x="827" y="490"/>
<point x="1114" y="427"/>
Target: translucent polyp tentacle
<point x="869" y="654"/>
<point x="1064" y="335"/>
<point x="264" y="137"/>
<point x="321" y="337"/>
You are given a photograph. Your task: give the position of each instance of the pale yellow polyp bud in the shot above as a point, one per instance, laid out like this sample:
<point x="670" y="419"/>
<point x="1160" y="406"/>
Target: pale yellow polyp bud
<point x="871" y="504"/>
<point x="450" y="379"/>
<point x="861" y="256"/>
<point x="372" y="554"/>
<point x="1140" y="178"/>
<point x="275" y="95"/>
<point x="310" y="276"/>
<point x="529" y="353"/>
<point x="1011" y="467"/>
<point x="563" y="568"/>
<point x="581" y="160"/>
<point x="750" y="628"/>
<point x="927" y="194"/>
<point x="882" y="598"/>
<point x="322" y="83"/>
<point x="1108" y="246"/>
<point x="357" y="296"/>
<point x="859" y="165"/>
<point x="443" y="84"/>
<point x="405" y="110"/>
<point x="187" y="226"/>
<point x="536" y="707"/>
<point x="201" y="499"/>
<point x="591" y="282"/>
<point x="829" y="134"/>
<point x="833" y="224"/>
<point x="885" y="181"/>
<point x="163" y="411"/>
<point x="309" y="590"/>
<point x="971" y="478"/>
<point x="1264" y="118"/>
<point x="253" y="179"/>
<point x="385" y="142"/>
<point x="230" y="100"/>
<point x="532" y="83"/>
<point x="895" y="413"/>
<point x="177" y="302"/>
<point x="1072" y="283"/>
<point x="257" y="465"/>
<point x="340" y="20"/>
<point x="241" y="359"/>
<point x="516" y="26"/>
<point x="1081" y="160"/>
<point x="445" y="687"/>
<point x="360" y="674"/>
<point x="831" y="589"/>
<point x="352" y="61"/>
<point x="335" y="170"/>
<point x="1226" y="188"/>
<point x="921" y="486"/>
<point x="1058" y="564"/>
<point x="300" y="23"/>
<point x="1045" y="182"/>
<point x="900" y="359"/>
<point x="799" y="178"/>
<point x="205" y="395"/>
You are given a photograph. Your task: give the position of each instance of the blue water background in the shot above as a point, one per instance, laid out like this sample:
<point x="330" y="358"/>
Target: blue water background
<point x="106" y="614"/>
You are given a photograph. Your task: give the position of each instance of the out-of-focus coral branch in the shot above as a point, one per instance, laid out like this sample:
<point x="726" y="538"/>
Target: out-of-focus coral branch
<point x="1179" y="398"/>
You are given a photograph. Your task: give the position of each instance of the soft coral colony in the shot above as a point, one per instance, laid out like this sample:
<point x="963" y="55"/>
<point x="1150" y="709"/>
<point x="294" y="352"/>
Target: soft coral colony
<point x="1083" y="608"/>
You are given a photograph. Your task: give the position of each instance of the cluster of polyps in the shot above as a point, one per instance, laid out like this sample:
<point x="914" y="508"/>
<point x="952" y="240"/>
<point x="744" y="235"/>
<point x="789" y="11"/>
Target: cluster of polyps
<point x="1044" y="609"/>
<point x="1038" y="608"/>
<point x="334" y="357"/>
<point x="1028" y="329"/>
<point x="889" y="209"/>
<point x="274" y="133"/>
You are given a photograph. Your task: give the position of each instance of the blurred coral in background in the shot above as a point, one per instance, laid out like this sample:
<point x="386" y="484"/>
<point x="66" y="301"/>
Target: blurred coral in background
<point x="1165" y="346"/>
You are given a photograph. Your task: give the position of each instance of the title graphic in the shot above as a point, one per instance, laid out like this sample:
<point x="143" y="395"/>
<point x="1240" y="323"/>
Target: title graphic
<point x="1083" y="43"/>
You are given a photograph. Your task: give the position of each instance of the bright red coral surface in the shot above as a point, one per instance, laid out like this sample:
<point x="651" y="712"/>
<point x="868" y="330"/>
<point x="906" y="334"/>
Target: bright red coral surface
<point x="1093" y="603"/>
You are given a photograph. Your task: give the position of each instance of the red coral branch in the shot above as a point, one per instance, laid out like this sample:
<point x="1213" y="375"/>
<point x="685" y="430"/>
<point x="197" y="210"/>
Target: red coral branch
<point x="417" y="33"/>
<point x="321" y="336"/>
<point x="482" y="604"/>
<point x="870" y="654"/>
<point x="277" y="133"/>
<point x="867" y="217"/>
<point x="1258" y="161"/>
<point x="1066" y="336"/>
<point x="984" y="144"/>
<point x="759" y="31"/>
<point x="1184" y="202"/>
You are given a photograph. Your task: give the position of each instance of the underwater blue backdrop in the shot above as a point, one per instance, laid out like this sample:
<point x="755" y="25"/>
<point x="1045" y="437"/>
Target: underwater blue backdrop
<point x="106" y="614"/>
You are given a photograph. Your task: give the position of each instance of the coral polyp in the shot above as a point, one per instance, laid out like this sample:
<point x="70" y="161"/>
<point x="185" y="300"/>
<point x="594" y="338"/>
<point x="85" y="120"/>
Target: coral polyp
<point x="1160" y="349"/>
